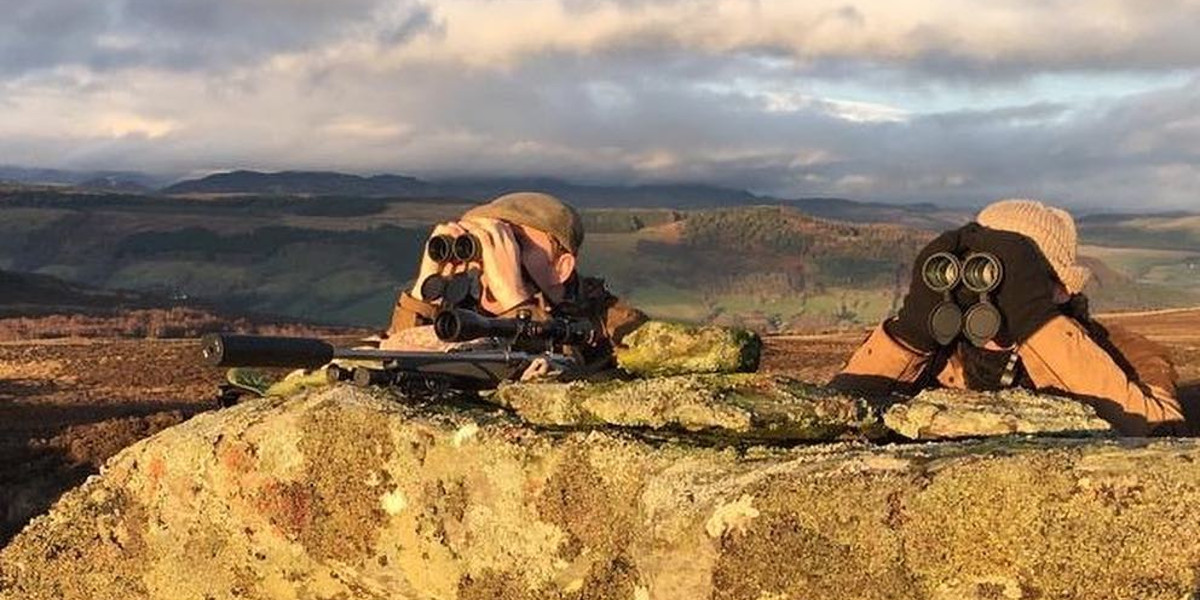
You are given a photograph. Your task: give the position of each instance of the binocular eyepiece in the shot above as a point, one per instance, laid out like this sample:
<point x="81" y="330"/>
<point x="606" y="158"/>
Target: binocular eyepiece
<point x="447" y="248"/>
<point x="980" y="272"/>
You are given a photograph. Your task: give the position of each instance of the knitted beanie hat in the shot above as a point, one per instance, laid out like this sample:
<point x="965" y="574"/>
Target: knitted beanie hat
<point x="1052" y="229"/>
<point x="539" y="211"/>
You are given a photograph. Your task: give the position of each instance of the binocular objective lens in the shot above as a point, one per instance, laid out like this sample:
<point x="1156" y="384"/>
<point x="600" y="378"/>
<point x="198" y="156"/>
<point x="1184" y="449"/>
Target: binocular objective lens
<point x="467" y="248"/>
<point x="440" y="248"/>
<point x="941" y="271"/>
<point x="982" y="272"/>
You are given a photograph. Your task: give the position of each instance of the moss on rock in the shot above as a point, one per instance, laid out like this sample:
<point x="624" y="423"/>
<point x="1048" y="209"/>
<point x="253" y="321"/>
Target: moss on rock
<point x="946" y="414"/>
<point x="661" y="348"/>
<point x="738" y="407"/>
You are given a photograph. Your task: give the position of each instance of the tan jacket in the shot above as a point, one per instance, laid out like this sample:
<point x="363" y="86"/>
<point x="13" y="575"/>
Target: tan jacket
<point x="1138" y="397"/>
<point x="589" y="299"/>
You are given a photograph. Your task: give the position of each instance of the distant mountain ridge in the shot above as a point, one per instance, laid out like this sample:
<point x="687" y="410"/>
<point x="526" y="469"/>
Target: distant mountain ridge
<point x="673" y="196"/>
<point x="122" y="181"/>
<point x="301" y="183"/>
<point x="326" y="183"/>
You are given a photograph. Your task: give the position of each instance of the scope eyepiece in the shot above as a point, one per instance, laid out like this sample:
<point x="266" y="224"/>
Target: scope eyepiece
<point x="941" y="272"/>
<point x="982" y="272"/>
<point x="446" y="248"/>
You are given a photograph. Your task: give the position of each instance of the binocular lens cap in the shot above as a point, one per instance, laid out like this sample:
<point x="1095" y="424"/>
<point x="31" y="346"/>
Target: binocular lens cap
<point x="981" y="323"/>
<point x="945" y="322"/>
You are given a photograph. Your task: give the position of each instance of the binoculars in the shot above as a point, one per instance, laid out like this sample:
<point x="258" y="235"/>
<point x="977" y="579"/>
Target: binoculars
<point x="459" y="249"/>
<point x="462" y="290"/>
<point x="980" y="273"/>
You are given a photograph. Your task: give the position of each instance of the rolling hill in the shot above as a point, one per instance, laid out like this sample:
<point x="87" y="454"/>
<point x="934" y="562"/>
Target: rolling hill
<point x="341" y="259"/>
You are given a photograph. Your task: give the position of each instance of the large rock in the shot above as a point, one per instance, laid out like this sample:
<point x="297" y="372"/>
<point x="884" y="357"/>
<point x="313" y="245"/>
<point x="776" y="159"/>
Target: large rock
<point x="736" y="408"/>
<point x="947" y="414"/>
<point x="660" y="348"/>
<point x="344" y="494"/>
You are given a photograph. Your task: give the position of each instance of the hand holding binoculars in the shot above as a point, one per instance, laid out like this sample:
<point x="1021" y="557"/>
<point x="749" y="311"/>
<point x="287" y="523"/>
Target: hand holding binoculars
<point x="447" y="248"/>
<point x="979" y="272"/>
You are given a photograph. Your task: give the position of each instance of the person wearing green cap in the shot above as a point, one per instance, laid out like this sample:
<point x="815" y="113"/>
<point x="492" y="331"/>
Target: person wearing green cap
<point x="530" y="245"/>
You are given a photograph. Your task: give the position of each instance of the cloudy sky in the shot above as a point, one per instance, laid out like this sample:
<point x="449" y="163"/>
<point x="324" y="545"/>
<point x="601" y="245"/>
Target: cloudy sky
<point x="1091" y="104"/>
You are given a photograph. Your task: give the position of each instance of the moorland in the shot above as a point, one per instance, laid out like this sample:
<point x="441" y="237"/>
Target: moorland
<point x="335" y="249"/>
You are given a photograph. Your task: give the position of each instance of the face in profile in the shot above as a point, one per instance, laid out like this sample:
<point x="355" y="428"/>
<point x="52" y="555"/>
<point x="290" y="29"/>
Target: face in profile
<point x="544" y="260"/>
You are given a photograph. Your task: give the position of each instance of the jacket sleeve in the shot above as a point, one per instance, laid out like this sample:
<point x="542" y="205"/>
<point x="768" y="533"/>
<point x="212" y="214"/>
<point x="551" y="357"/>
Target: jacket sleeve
<point x="620" y="319"/>
<point x="410" y="312"/>
<point x="881" y="365"/>
<point x="1061" y="357"/>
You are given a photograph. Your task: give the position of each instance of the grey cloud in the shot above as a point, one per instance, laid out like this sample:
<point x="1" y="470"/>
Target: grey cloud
<point x="1111" y="154"/>
<point x="182" y="34"/>
<point x="611" y="117"/>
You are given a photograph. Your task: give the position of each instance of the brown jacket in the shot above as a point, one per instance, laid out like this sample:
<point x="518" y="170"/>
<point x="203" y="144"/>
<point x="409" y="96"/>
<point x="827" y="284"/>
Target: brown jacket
<point x="587" y="298"/>
<point x="1131" y="384"/>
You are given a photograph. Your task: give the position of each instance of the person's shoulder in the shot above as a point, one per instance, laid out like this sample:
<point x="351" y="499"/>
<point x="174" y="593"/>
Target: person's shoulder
<point x="594" y="289"/>
<point x="618" y="315"/>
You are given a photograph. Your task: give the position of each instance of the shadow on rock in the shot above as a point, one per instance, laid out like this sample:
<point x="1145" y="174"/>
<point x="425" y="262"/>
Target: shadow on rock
<point x="47" y="449"/>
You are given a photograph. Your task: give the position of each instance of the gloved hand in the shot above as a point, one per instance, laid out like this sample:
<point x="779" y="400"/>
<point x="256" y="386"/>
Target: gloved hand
<point x="911" y="325"/>
<point x="1026" y="295"/>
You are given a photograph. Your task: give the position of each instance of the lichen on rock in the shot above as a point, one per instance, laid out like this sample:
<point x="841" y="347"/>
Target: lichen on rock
<point x="441" y="503"/>
<point x="946" y="414"/>
<point x="739" y="407"/>
<point x="662" y="348"/>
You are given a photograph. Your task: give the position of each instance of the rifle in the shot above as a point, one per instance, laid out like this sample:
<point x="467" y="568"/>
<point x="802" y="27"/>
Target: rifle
<point x="422" y="375"/>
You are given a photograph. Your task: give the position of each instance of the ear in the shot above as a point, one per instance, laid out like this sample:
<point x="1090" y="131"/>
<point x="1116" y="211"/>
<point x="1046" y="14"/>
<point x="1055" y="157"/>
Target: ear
<point x="564" y="267"/>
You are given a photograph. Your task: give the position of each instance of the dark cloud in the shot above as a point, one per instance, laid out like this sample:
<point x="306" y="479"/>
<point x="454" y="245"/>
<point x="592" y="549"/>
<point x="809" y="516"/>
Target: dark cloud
<point x="104" y="35"/>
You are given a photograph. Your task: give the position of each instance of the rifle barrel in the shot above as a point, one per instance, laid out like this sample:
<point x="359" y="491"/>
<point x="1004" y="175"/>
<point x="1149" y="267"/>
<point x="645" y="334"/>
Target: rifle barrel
<point x="223" y="350"/>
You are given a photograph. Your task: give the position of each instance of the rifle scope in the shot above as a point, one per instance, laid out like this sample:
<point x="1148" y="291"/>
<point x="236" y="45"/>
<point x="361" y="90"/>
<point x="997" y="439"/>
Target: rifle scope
<point x="447" y="248"/>
<point x="457" y="325"/>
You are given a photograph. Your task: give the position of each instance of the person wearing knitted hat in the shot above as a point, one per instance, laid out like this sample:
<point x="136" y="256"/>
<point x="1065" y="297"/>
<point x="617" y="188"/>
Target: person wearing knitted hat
<point x="530" y="244"/>
<point x="1040" y="338"/>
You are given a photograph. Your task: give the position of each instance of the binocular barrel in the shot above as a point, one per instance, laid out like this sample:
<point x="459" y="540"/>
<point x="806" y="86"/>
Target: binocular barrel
<point x="222" y="350"/>
<point x="941" y="272"/>
<point x="458" y="325"/>
<point x="980" y="272"/>
<point x="447" y="248"/>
